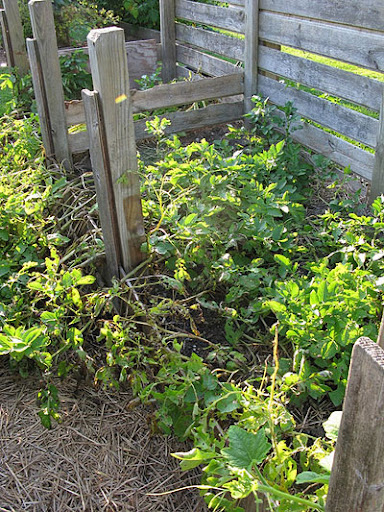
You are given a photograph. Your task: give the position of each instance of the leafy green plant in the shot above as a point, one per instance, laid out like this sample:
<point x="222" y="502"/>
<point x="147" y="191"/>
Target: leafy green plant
<point x="75" y="74"/>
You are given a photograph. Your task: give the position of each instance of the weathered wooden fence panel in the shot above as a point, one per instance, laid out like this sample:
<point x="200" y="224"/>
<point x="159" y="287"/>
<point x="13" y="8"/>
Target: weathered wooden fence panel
<point x="168" y="39"/>
<point x="377" y="186"/>
<point x="204" y="63"/>
<point x="357" y="478"/>
<point x="13" y="36"/>
<point x="231" y="19"/>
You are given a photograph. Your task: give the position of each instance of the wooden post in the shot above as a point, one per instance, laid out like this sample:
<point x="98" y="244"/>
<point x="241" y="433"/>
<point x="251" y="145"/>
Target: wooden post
<point x="109" y="69"/>
<point x="168" y="39"/>
<point x="357" y="477"/>
<point x="43" y="28"/>
<point x="377" y="186"/>
<point x="251" y="52"/>
<point x="14" y="37"/>
<point x="104" y="190"/>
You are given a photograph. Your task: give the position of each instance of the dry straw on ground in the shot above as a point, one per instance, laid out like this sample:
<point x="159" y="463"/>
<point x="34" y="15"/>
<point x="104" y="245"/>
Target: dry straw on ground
<point x="102" y="457"/>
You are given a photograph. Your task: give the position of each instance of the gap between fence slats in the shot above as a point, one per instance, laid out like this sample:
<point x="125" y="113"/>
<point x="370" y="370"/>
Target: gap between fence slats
<point x="356" y="46"/>
<point x="227" y="18"/>
<point x="342" y="120"/>
<point x="343" y="84"/>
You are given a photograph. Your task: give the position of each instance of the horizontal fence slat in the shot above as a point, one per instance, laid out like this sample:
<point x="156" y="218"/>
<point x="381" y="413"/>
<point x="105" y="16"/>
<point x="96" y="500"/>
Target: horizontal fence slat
<point x="342" y="120"/>
<point x="208" y="116"/>
<point x="204" y="63"/>
<point x="183" y="93"/>
<point x="142" y="57"/>
<point x="74" y="111"/>
<point x="366" y="14"/>
<point x="356" y="46"/>
<point x="240" y="3"/>
<point x="227" y="18"/>
<point x="349" y="86"/>
<point x="220" y="44"/>
<point x="78" y="142"/>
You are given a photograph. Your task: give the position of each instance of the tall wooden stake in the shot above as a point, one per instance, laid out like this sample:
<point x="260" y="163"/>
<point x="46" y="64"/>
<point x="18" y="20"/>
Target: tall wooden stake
<point x="357" y="478"/>
<point x="14" y="37"/>
<point x="168" y="39"/>
<point x="111" y="80"/>
<point x="251" y="52"/>
<point x="377" y="186"/>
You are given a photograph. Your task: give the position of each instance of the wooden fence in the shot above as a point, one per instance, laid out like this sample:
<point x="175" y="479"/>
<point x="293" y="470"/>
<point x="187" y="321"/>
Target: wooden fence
<point x="13" y="38"/>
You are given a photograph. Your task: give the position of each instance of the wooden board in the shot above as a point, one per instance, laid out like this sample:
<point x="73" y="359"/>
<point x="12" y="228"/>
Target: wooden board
<point x="357" y="477"/>
<point x="343" y="84"/>
<point x="251" y="53"/>
<point x="227" y="18"/>
<point x="182" y="93"/>
<point x="356" y="46"/>
<point x="16" y="36"/>
<point x="168" y="42"/>
<point x="342" y="120"/>
<point x="377" y="187"/>
<point x="220" y="44"/>
<point x="75" y="113"/>
<point x="6" y="38"/>
<point x="367" y="14"/>
<point x="204" y="63"/>
<point x="134" y="33"/>
<point x="142" y="58"/>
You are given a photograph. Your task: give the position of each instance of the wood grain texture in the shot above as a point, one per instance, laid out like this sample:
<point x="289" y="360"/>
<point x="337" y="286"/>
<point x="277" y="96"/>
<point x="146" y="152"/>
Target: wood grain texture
<point x="357" y="478"/>
<point x="134" y="33"/>
<point x="377" y="187"/>
<point x="345" y="121"/>
<point x="251" y="52"/>
<point x="343" y="84"/>
<point x="204" y="63"/>
<point x="43" y="28"/>
<point x="221" y="44"/>
<point x="111" y="80"/>
<point x="104" y="189"/>
<point x="6" y="38"/>
<point x="168" y="39"/>
<point x="41" y="98"/>
<point x="352" y="45"/>
<point x="16" y="35"/>
<point x="227" y="18"/>
<point x="183" y="93"/>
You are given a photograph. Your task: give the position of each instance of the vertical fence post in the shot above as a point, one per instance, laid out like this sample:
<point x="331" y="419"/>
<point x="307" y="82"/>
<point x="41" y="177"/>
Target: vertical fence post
<point x="43" y="27"/>
<point x="168" y="39"/>
<point x="251" y="52"/>
<point x="357" y="477"/>
<point x="377" y="185"/>
<point x="14" y="37"/>
<point x="109" y="69"/>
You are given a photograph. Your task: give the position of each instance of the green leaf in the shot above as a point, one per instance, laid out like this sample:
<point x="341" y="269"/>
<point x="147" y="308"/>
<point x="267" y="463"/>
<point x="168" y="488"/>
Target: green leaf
<point x="332" y="425"/>
<point x="193" y="458"/>
<point x="311" y="476"/>
<point x="246" y="448"/>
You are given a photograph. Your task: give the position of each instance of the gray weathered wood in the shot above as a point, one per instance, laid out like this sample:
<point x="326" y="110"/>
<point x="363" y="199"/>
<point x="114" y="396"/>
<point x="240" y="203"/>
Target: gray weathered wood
<point x="368" y="14"/>
<point x="41" y="97"/>
<point x="343" y="120"/>
<point x="357" y="477"/>
<point x="168" y="39"/>
<point x="204" y="63"/>
<point x="16" y="36"/>
<point x="183" y="93"/>
<point x="356" y="46"/>
<point x="184" y="121"/>
<point x="377" y="186"/>
<point x="220" y="44"/>
<point x="380" y="338"/>
<point x="343" y="84"/>
<point x="227" y="18"/>
<point x="111" y="80"/>
<point x="74" y="112"/>
<point x="251" y="52"/>
<point x="134" y="33"/>
<point x="104" y="190"/>
<point x="43" y="28"/>
<point x="142" y="58"/>
<point x="78" y="142"/>
<point x="6" y="38"/>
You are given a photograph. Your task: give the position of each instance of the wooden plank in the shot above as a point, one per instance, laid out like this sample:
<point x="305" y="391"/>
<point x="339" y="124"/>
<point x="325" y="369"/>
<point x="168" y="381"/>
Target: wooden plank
<point x="251" y="53"/>
<point x="6" y="38"/>
<point x="41" y="98"/>
<point x="104" y="189"/>
<point x="204" y="63"/>
<point x="377" y="187"/>
<point x="343" y="84"/>
<point x="183" y="121"/>
<point x="240" y="3"/>
<point x="15" y="28"/>
<point x="168" y="40"/>
<point x="142" y="58"/>
<point x="183" y="93"/>
<point x="43" y="28"/>
<point x="227" y="18"/>
<point x="133" y="32"/>
<point x="78" y="142"/>
<point x="357" y="477"/>
<point x="75" y="112"/>
<point x="356" y="46"/>
<point x="220" y="44"/>
<point x="368" y="14"/>
<point x="342" y="120"/>
<point x="111" y="80"/>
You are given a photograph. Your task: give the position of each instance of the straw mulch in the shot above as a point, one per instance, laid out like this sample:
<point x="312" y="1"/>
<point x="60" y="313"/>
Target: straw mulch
<point x="101" y="457"/>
